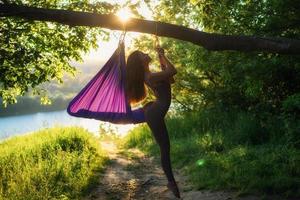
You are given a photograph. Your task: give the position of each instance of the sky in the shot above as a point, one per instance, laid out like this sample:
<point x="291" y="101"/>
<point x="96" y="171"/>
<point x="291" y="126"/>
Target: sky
<point x="106" y="48"/>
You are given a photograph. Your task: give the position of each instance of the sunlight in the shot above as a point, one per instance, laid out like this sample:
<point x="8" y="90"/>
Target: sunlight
<point x="118" y="129"/>
<point x="106" y="48"/>
<point x="123" y="130"/>
<point x="124" y="14"/>
<point x="200" y="162"/>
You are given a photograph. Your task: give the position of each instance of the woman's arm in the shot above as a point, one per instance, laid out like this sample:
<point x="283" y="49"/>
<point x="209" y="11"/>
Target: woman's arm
<point x="163" y="62"/>
<point x="168" y="70"/>
<point x="155" y="77"/>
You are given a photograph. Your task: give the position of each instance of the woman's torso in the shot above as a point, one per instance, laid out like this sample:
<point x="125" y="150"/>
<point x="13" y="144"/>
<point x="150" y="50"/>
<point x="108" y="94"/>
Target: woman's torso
<point x="162" y="92"/>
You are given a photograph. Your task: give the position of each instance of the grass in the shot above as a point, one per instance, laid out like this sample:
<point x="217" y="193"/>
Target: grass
<point x="228" y="151"/>
<point x="57" y="163"/>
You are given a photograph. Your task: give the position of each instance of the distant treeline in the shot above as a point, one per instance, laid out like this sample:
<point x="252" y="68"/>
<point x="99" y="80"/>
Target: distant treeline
<point x="59" y="94"/>
<point x="28" y="105"/>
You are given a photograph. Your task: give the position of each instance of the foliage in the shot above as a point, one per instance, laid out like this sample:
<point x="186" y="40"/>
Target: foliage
<point x="237" y="113"/>
<point x="33" y="52"/>
<point x="58" y="163"/>
<point x="256" y="82"/>
<point x="291" y="118"/>
<point x="243" y="129"/>
<point x="230" y="150"/>
<point x="244" y="104"/>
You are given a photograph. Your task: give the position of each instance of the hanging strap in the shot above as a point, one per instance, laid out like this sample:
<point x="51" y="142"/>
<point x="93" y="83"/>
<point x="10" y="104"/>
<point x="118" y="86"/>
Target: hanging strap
<point x="156" y="44"/>
<point x="156" y="39"/>
<point x="122" y="36"/>
<point x="121" y="46"/>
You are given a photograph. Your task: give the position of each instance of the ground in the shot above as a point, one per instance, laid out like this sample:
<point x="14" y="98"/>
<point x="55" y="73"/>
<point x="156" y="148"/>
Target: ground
<point x="132" y="175"/>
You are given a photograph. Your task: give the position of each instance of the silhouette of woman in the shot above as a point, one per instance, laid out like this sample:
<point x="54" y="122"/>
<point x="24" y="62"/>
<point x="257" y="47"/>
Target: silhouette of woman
<point x="138" y="76"/>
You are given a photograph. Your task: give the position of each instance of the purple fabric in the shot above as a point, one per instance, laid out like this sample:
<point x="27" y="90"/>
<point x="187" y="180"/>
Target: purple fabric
<point x="104" y="98"/>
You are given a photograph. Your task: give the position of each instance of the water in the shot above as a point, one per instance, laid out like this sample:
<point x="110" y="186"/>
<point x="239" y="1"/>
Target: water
<point x="16" y="125"/>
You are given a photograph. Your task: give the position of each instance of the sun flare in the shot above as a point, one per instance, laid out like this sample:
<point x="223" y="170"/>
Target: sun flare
<point x="124" y="14"/>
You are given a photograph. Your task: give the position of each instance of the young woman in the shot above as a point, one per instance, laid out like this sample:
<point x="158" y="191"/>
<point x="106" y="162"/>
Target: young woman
<point x="138" y="76"/>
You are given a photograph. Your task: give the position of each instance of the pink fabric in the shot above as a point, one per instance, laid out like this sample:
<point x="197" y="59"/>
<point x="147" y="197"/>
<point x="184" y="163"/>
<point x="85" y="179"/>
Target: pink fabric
<point x="104" y="96"/>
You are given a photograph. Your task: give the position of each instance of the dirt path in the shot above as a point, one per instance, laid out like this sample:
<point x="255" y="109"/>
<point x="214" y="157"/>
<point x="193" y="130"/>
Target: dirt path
<point x="133" y="176"/>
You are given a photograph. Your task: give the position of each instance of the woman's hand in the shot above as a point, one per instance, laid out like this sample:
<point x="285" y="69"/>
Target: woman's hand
<point x="160" y="51"/>
<point x="161" y="54"/>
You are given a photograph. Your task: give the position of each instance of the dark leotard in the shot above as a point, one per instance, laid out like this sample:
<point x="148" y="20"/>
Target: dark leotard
<point x="155" y="112"/>
<point x="162" y="92"/>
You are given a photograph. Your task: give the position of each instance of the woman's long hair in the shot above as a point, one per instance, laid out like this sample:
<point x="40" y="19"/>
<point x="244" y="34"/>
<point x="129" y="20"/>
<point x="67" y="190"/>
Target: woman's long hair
<point x="135" y="87"/>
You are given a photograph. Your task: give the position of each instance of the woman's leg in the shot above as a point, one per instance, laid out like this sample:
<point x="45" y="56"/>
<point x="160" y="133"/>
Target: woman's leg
<point x="156" y="122"/>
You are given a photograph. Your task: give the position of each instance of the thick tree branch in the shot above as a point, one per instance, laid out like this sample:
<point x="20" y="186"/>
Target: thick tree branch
<point x="210" y="41"/>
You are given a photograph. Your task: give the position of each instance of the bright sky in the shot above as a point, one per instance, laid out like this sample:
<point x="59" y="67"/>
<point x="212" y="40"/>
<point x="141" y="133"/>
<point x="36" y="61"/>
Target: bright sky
<point x="106" y="48"/>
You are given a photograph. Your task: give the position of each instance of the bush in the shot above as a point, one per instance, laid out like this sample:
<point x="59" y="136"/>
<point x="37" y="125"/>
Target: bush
<point x="229" y="150"/>
<point x="58" y="163"/>
<point x="291" y="118"/>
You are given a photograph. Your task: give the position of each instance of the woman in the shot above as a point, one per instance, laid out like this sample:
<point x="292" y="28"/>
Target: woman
<point x="138" y="76"/>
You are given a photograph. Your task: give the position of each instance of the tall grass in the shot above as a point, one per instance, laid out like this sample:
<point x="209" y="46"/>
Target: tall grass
<point x="57" y="163"/>
<point x="228" y="151"/>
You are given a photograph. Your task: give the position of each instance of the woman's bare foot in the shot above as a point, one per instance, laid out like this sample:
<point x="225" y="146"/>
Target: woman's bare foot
<point x="173" y="187"/>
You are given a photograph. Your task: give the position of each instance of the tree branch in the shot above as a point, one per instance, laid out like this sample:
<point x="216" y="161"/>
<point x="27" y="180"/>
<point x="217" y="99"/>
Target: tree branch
<point x="210" y="41"/>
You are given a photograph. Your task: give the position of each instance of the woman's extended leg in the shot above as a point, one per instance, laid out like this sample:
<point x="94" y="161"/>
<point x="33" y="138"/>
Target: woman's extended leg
<point x="159" y="130"/>
<point x="154" y="115"/>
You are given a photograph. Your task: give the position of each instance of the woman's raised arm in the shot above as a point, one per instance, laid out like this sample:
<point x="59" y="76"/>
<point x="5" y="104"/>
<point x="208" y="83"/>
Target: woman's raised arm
<point x="168" y="71"/>
<point x="155" y="77"/>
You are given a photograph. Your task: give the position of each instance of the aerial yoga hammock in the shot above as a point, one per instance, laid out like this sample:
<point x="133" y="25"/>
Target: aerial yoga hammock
<point x="104" y="98"/>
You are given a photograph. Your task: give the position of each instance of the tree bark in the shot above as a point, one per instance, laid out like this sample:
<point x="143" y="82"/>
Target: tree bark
<point x="210" y="41"/>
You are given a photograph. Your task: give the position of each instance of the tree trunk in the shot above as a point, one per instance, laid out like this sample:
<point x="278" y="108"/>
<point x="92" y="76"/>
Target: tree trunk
<point x="210" y="41"/>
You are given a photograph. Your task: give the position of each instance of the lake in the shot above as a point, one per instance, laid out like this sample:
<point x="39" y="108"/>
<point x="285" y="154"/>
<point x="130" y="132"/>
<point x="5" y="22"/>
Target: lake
<point x="21" y="124"/>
